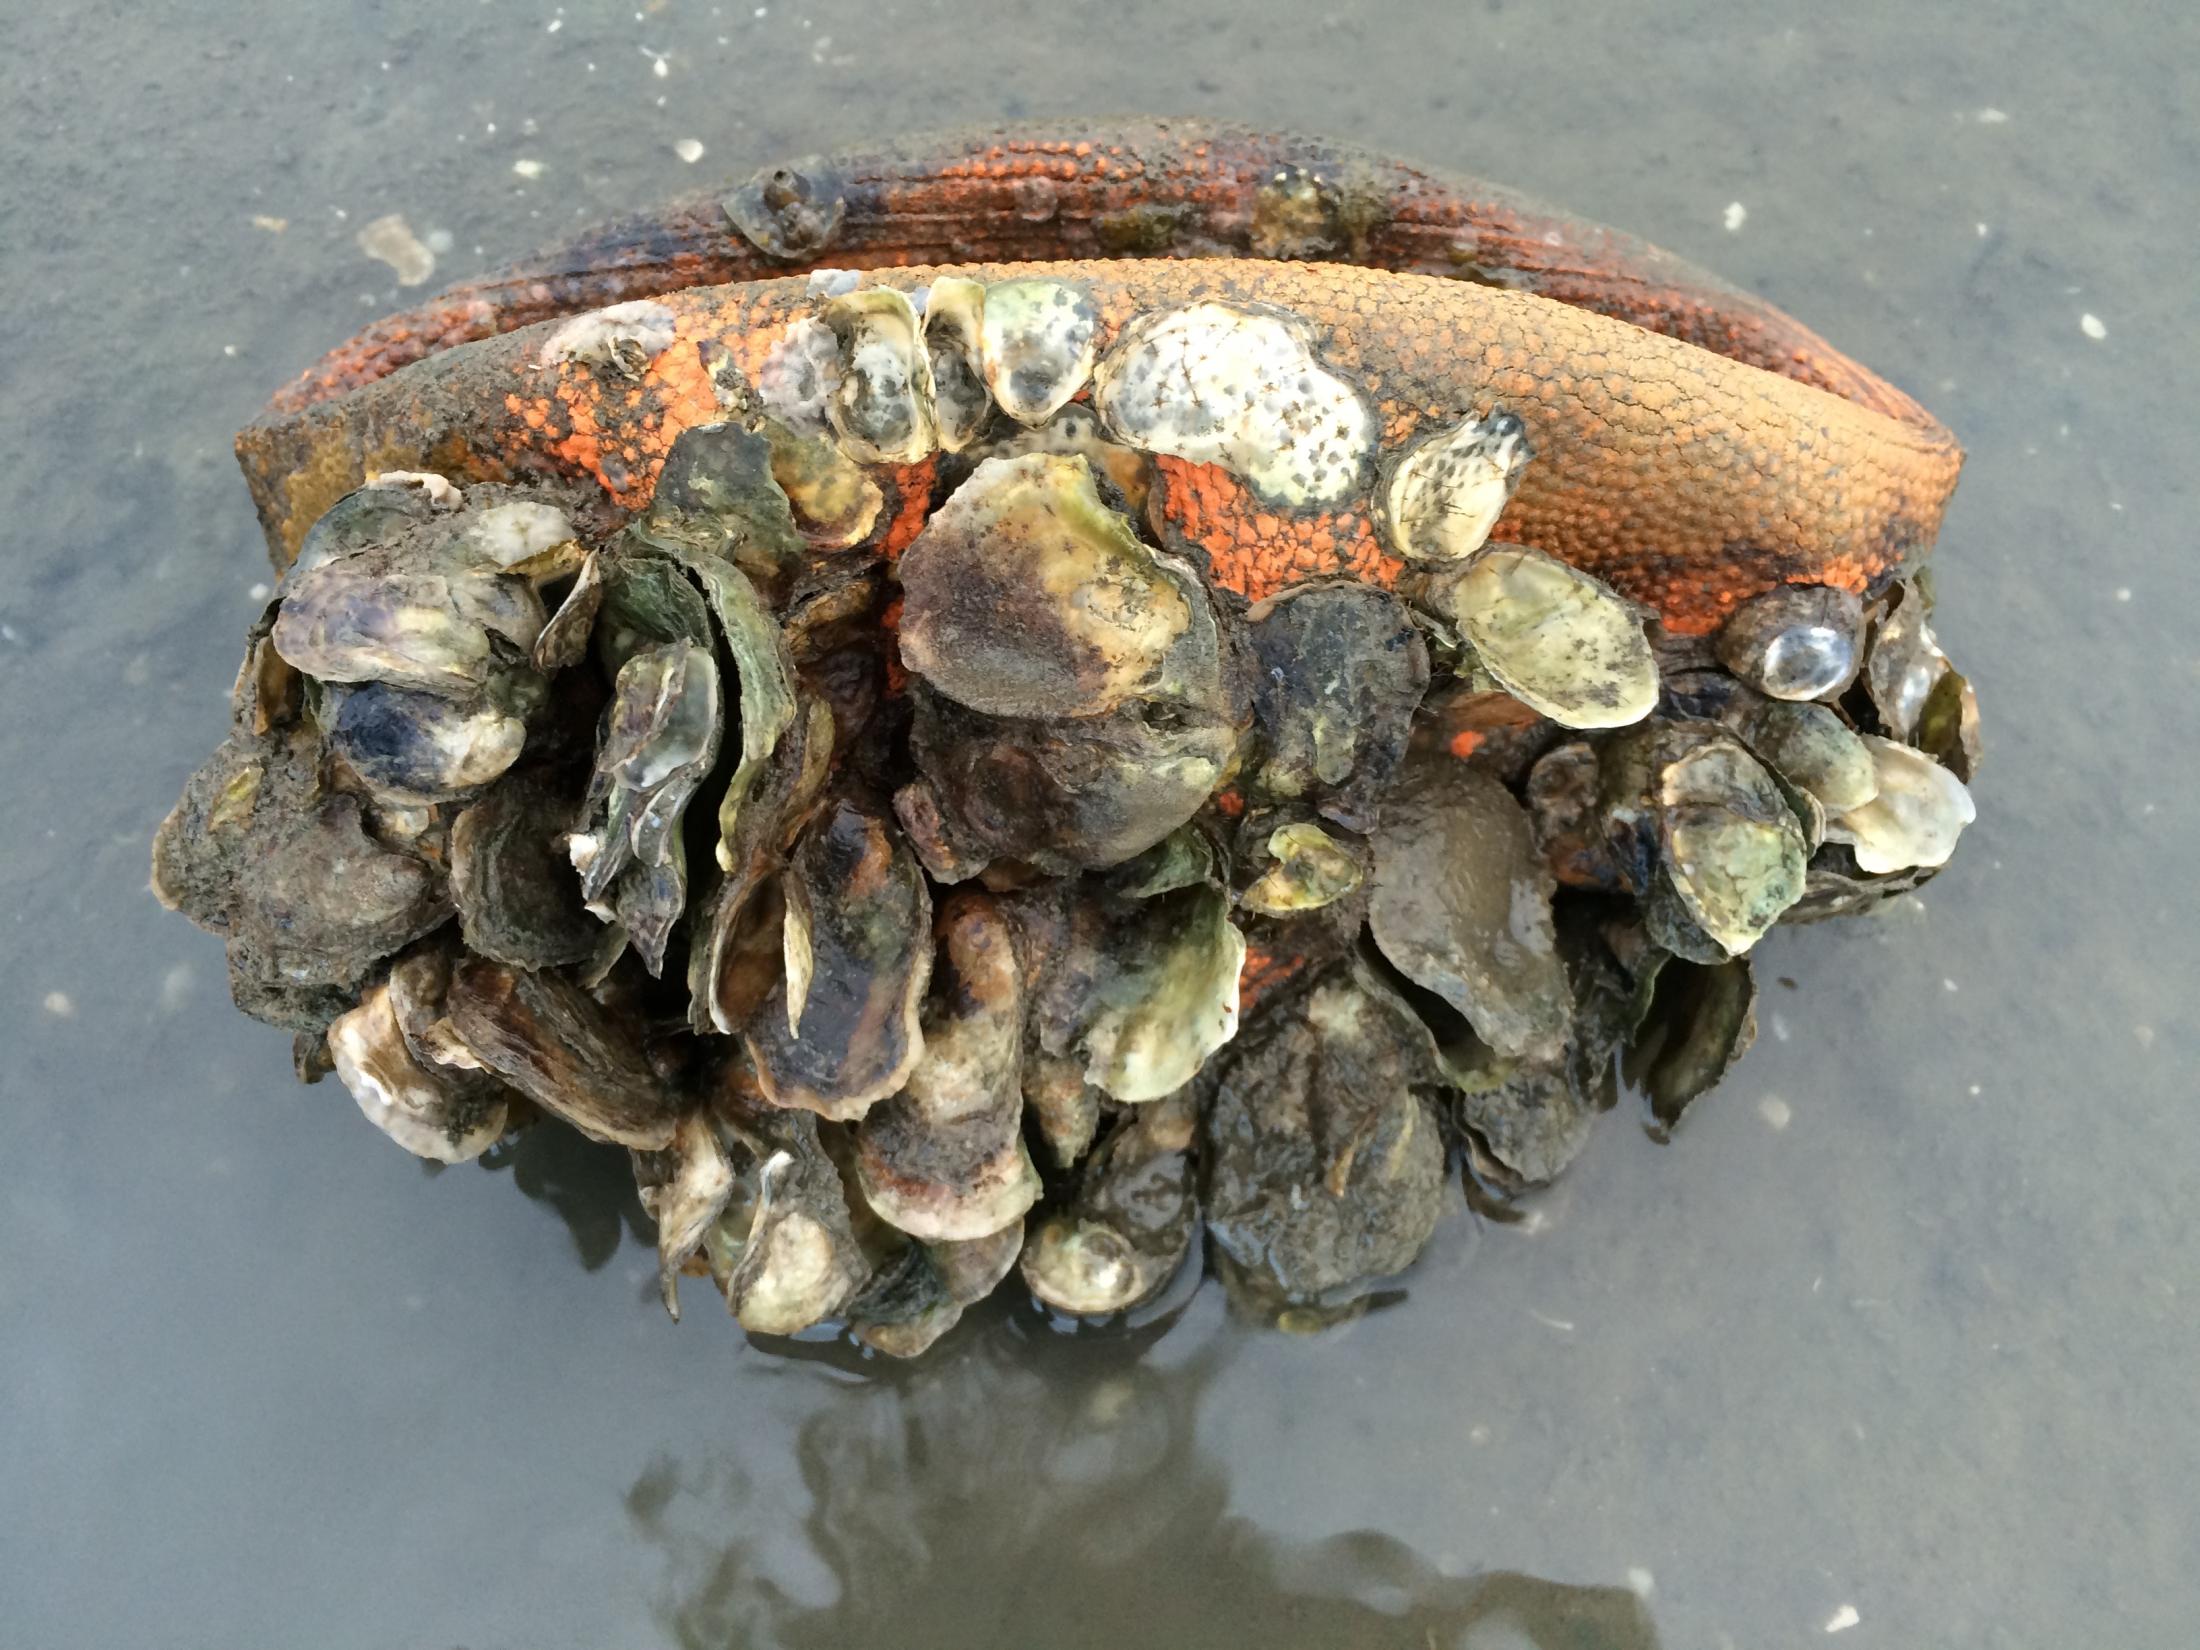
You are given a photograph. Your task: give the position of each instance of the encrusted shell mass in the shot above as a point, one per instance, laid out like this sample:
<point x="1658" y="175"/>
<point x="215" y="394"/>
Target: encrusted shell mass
<point x="1002" y="788"/>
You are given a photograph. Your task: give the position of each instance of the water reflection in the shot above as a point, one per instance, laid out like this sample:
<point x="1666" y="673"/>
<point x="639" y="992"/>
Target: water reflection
<point x="1027" y="1490"/>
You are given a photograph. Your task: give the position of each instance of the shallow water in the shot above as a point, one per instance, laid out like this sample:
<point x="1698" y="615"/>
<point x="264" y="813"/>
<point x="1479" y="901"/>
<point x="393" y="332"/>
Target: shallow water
<point x="1913" y="1344"/>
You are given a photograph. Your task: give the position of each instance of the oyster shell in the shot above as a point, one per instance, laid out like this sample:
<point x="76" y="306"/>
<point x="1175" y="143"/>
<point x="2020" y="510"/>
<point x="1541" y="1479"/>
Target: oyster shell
<point x="1026" y="596"/>
<point x="363" y="619"/>
<point x="1796" y="641"/>
<point x="507" y="536"/>
<point x="660" y="739"/>
<point x="1914" y="817"/>
<point x="1074" y="432"/>
<point x="789" y="212"/>
<point x="1462" y="904"/>
<point x="1312" y="869"/>
<point x="563" y="1050"/>
<point x="1128" y="1224"/>
<point x="1324" y="1154"/>
<point x="1702" y="1019"/>
<point x="954" y="340"/>
<point x="1161" y="993"/>
<point x="784" y="1250"/>
<point x="1038" y="342"/>
<point x="621" y="339"/>
<point x="410" y="747"/>
<point x="410" y="1101"/>
<point x="881" y="407"/>
<point x="1813" y="749"/>
<point x="1555" y="638"/>
<point x="1062" y="796"/>
<point x="1904" y="663"/>
<point x="1441" y="497"/>
<point x="1341" y="671"/>
<point x="944" y="1160"/>
<point x="717" y="497"/>
<point x="868" y="917"/>
<point x="361" y="519"/>
<point x="1734" y="852"/>
<point x="1222" y="384"/>
<point x="685" y="1189"/>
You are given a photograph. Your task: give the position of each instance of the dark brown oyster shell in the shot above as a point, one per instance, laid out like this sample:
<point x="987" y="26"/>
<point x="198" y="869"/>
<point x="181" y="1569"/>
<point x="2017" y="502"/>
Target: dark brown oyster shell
<point x="840" y="1030"/>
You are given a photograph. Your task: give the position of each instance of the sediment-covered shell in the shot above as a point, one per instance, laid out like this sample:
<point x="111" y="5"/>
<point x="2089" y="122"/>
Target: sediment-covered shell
<point x="1325" y="1157"/>
<point x="1341" y="669"/>
<point x="1796" y="641"/>
<point x="1525" y="1121"/>
<point x="518" y="900"/>
<point x="260" y="852"/>
<point x="1039" y="338"/>
<point x="1222" y="384"/>
<point x="1462" y="904"/>
<point x="1441" y="496"/>
<point x="1555" y="638"/>
<point x="564" y="1050"/>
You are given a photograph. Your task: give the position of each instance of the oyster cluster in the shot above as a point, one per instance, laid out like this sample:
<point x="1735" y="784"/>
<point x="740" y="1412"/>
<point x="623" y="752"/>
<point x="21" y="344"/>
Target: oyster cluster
<point x="1019" y="901"/>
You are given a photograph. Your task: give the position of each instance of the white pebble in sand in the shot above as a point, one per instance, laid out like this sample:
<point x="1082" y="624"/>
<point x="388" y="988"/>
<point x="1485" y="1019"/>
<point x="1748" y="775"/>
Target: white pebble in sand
<point x="58" y="1005"/>
<point x="2092" y="326"/>
<point x="1775" y="1111"/>
<point x="688" y="150"/>
<point x="1736" y="215"/>
<point x="527" y="168"/>
<point x="1843" y="1619"/>
<point x="1640" y="1581"/>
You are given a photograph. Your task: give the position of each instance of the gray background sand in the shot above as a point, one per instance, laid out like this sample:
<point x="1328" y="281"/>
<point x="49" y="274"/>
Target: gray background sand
<point x="1923" y="1354"/>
